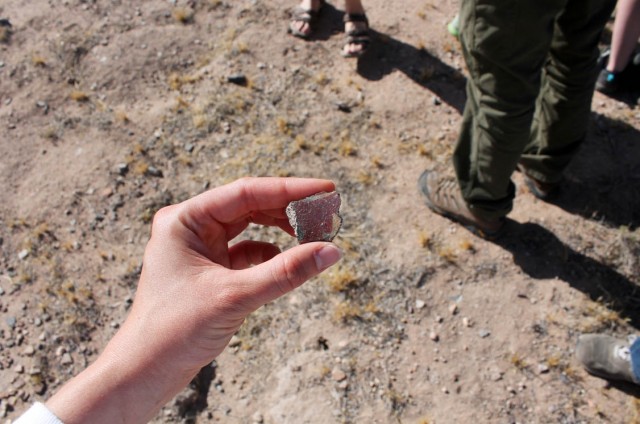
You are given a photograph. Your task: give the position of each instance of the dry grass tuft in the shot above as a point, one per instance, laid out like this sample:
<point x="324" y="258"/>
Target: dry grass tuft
<point x="346" y="311"/>
<point x="425" y="240"/>
<point x="38" y="61"/>
<point x="79" y="96"/>
<point x="184" y="15"/>
<point x="467" y="245"/>
<point x="518" y="361"/>
<point x="341" y="279"/>
<point x="121" y="116"/>
<point x="5" y="34"/>
<point x="448" y="255"/>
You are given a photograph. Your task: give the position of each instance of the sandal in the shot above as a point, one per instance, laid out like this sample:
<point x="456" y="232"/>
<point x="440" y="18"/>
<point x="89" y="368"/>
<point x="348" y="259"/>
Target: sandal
<point x="305" y="16"/>
<point x="359" y="37"/>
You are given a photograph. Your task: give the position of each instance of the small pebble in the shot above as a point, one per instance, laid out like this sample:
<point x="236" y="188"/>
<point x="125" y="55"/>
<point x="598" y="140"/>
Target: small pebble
<point x="420" y="304"/>
<point x="434" y="336"/>
<point x="66" y="359"/>
<point x="338" y="375"/>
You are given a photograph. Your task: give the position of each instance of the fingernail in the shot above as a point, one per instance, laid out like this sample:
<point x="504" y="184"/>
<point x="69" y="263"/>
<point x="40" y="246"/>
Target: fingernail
<point x="327" y="256"/>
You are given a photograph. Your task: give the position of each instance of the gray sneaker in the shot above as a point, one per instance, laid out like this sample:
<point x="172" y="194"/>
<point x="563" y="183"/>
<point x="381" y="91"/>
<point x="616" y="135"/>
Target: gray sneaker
<point x="606" y="356"/>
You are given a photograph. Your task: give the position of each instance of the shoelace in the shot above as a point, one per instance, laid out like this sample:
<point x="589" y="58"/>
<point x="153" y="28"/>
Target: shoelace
<point x="622" y="352"/>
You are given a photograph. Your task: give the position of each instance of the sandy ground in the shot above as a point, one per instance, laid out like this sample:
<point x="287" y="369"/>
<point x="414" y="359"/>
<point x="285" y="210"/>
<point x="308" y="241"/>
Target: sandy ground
<point x="109" y="112"/>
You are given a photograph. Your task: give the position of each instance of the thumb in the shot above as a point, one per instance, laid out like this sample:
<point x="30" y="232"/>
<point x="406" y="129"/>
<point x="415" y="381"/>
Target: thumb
<point x="288" y="270"/>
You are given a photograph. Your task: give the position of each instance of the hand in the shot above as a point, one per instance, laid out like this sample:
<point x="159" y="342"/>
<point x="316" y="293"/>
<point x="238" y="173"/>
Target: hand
<point x="194" y="293"/>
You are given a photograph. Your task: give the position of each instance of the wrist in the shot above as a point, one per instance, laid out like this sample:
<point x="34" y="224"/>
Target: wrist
<point x="124" y="385"/>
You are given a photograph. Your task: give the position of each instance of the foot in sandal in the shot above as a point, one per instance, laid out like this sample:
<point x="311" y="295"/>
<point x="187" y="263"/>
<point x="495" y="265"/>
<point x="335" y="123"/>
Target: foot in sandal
<point x="356" y="27"/>
<point x="303" y="18"/>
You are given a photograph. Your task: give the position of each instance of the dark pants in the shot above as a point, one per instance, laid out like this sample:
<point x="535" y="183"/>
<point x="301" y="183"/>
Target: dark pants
<point x="532" y="70"/>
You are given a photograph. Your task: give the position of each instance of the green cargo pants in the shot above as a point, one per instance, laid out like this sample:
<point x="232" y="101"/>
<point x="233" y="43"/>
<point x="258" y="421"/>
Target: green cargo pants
<point x="532" y="70"/>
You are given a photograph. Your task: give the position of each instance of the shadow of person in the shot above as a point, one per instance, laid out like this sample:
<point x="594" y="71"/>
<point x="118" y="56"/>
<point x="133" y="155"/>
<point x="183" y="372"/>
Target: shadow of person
<point x="629" y="388"/>
<point x="541" y="255"/>
<point x="386" y="54"/>
<point x="603" y="180"/>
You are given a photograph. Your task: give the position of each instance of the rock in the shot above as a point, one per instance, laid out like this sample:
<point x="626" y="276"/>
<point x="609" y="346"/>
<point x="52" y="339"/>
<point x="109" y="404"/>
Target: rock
<point x="66" y="359"/>
<point x="122" y="169"/>
<point x="154" y="172"/>
<point x="434" y="336"/>
<point x="343" y="107"/>
<point x="453" y="309"/>
<point x="22" y="255"/>
<point x="419" y="304"/>
<point x="467" y="322"/>
<point x="543" y="368"/>
<point x="257" y="418"/>
<point x="60" y="350"/>
<point x="484" y="333"/>
<point x="29" y="350"/>
<point x="338" y="375"/>
<point x="11" y="321"/>
<point x="238" y="79"/>
<point x="19" y="369"/>
<point x="235" y="341"/>
<point x="315" y="218"/>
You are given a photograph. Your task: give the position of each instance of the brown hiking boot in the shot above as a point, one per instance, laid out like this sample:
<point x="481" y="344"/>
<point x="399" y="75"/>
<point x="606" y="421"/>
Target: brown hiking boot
<point x="443" y="196"/>
<point x="538" y="188"/>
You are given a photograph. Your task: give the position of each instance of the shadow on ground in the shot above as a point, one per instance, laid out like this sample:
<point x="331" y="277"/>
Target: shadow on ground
<point x="603" y="181"/>
<point x="387" y="54"/>
<point x="541" y="255"/>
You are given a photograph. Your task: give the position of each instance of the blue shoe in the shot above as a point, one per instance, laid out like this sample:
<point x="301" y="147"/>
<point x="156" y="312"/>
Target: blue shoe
<point x="608" y="82"/>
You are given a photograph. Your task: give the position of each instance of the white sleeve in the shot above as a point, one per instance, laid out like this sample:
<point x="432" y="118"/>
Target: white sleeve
<point x="38" y="414"/>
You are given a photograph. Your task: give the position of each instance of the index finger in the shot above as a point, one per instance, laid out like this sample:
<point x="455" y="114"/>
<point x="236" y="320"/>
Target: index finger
<point x="236" y="201"/>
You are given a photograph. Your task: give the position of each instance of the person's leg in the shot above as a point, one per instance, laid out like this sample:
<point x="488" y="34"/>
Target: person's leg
<point x="626" y="30"/>
<point x="355" y="26"/>
<point x="505" y="45"/>
<point x="564" y="105"/>
<point x="635" y="359"/>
